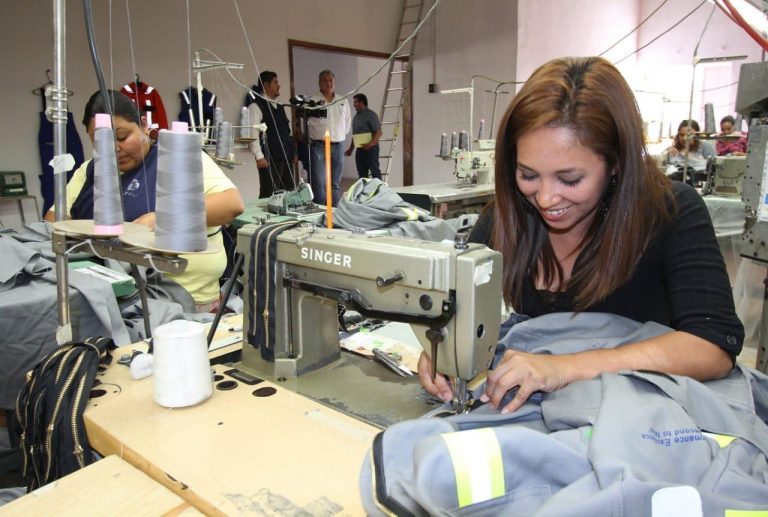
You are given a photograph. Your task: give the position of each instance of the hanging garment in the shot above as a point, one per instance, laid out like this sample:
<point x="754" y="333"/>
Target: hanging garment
<point x="45" y="144"/>
<point x="149" y="100"/>
<point x="189" y="107"/>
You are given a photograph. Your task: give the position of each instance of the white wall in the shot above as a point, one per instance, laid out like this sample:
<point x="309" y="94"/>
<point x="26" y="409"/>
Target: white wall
<point x="473" y="37"/>
<point x="160" y="52"/>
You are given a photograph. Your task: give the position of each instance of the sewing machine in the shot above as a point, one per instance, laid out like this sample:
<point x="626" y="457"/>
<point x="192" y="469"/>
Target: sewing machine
<point x="726" y="175"/>
<point x="449" y="293"/>
<point x="477" y="165"/>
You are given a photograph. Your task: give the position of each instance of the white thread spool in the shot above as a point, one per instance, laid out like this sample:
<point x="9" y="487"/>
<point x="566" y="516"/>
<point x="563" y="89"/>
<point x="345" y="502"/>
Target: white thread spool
<point x="182" y="368"/>
<point x="481" y="130"/>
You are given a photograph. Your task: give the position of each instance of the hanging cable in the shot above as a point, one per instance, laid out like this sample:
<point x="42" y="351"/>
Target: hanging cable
<point x="739" y="19"/>
<point x="633" y="30"/>
<point x="681" y="20"/>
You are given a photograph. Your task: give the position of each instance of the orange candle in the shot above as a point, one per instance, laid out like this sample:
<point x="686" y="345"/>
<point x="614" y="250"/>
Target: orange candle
<point x="328" y="186"/>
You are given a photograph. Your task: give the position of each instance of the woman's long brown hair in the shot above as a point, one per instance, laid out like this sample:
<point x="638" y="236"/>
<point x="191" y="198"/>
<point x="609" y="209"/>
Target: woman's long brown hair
<point x="591" y="98"/>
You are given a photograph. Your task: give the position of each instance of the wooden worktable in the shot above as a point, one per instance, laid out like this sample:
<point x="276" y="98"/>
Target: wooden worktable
<point x="108" y="487"/>
<point x="235" y="453"/>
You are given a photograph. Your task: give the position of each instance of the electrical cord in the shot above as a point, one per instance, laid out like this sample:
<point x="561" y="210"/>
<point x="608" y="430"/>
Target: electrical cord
<point x="739" y="19"/>
<point x="633" y="30"/>
<point x="681" y="20"/>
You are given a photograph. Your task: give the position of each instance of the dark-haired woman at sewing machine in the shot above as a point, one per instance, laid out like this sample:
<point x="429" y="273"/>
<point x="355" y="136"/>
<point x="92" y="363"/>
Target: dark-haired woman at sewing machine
<point x="137" y="162"/>
<point x="586" y="223"/>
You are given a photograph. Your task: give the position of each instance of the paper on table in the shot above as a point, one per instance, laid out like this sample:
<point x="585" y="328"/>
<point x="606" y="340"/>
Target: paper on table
<point x="364" y="342"/>
<point x="361" y="139"/>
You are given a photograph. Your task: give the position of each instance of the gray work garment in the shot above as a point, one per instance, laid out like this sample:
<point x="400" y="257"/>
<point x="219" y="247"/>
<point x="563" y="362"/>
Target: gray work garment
<point x="599" y="447"/>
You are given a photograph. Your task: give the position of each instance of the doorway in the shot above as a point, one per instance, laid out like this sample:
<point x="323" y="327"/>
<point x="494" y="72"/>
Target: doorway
<point x="350" y="67"/>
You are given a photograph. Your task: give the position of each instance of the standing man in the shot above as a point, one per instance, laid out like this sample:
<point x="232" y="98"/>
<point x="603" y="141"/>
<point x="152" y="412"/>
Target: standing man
<point x="337" y="121"/>
<point x="366" y="131"/>
<point x="274" y="149"/>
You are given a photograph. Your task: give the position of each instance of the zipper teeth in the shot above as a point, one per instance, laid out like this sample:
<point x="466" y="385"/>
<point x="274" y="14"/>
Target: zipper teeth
<point x="29" y="458"/>
<point x="78" y="448"/>
<point x="33" y="381"/>
<point x="54" y="414"/>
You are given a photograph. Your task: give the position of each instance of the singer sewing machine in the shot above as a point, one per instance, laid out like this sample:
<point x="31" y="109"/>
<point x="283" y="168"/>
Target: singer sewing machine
<point x="449" y="293"/>
<point x="477" y="165"/>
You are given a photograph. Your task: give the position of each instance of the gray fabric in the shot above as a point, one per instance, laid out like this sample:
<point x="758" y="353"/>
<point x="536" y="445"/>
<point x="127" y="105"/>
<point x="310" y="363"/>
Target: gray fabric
<point x="371" y="205"/>
<point x="29" y="315"/>
<point x="597" y="447"/>
<point x="18" y="263"/>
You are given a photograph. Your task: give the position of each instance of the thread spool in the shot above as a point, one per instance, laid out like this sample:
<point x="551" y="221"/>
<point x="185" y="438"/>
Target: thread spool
<point x="481" y="129"/>
<point x="445" y="151"/>
<point x="182" y="368"/>
<point x="709" y="118"/>
<point x="454" y="140"/>
<point x="245" y="123"/>
<point x="463" y="141"/>
<point x="737" y="123"/>
<point x="180" y="204"/>
<point x="218" y="116"/>
<point x="107" y="207"/>
<point x="224" y="141"/>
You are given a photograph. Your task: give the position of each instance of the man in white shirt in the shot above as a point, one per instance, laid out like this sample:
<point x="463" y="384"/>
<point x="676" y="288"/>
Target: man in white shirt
<point x="337" y="121"/>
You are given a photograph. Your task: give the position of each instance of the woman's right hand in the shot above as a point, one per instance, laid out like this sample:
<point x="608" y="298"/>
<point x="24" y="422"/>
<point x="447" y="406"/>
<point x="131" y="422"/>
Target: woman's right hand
<point x="672" y="151"/>
<point x="440" y="387"/>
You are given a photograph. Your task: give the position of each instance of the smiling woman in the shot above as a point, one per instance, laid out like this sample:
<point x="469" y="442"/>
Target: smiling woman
<point x="585" y="222"/>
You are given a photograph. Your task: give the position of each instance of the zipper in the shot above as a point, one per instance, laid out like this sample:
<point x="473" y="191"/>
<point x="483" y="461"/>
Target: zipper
<point x="54" y="414"/>
<point x="75" y="435"/>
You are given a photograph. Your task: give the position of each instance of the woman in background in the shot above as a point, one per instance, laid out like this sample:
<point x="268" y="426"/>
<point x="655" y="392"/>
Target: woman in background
<point x="137" y="162"/>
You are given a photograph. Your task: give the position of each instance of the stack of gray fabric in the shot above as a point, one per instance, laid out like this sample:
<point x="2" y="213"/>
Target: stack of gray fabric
<point x="370" y="204"/>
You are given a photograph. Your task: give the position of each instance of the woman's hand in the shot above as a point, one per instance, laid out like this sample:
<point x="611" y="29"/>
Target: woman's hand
<point x="147" y="219"/>
<point x="672" y="151"/>
<point x="528" y="373"/>
<point x="440" y="388"/>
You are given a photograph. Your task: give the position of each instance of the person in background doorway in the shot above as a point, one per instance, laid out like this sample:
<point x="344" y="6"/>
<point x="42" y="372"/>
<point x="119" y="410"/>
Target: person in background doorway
<point x="274" y="150"/>
<point x="337" y="121"/>
<point x="366" y="131"/>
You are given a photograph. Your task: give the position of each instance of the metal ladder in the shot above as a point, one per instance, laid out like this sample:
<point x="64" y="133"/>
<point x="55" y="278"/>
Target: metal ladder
<point x="398" y="80"/>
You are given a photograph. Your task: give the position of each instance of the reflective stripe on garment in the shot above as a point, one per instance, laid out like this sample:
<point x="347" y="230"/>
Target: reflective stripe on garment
<point x="477" y="465"/>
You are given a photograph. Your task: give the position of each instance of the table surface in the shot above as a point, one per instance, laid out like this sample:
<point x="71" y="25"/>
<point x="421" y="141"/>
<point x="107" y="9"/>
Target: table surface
<point x="107" y="487"/>
<point x="235" y="453"/>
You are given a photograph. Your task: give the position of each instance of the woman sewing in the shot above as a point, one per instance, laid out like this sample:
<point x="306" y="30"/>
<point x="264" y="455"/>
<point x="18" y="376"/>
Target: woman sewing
<point x="585" y="222"/>
<point x="137" y="162"/>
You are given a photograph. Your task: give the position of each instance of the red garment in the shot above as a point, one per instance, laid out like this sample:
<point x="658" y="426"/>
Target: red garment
<point x="149" y="99"/>
<point x="731" y="146"/>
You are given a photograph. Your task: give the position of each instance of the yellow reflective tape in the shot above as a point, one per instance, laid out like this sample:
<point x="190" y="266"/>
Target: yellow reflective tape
<point x="477" y="465"/>
<point x="721" y="439"/>
<point x="746" y="513"/>
<point x="410" y="213"/>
